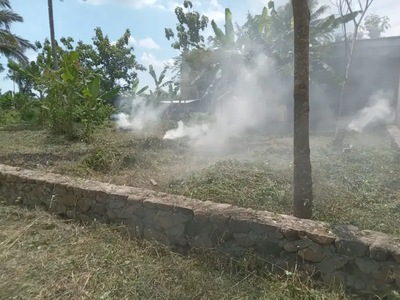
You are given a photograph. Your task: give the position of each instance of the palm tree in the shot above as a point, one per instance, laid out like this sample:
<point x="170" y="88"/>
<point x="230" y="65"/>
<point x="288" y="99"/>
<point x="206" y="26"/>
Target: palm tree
<point x="52" y="35"/>
<point x="11" y="45"/>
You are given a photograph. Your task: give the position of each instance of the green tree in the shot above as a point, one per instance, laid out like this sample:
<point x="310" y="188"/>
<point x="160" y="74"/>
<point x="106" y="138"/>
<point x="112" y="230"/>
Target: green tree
<point x="115" y="62"/>
<point x="11" y="45"/>
<point x="189" y="28"/>
<point x="188" y="37"/>
<point x="72" y="98"/>
<point x="374" y="26"/>
<point x="302" y="179"/>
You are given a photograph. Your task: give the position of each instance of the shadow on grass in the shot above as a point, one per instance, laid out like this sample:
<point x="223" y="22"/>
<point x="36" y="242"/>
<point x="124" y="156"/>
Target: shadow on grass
<point x="34" y="159"/>
<point x="21" y="127"/>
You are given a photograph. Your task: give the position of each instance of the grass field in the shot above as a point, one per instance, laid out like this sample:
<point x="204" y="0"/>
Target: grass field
<point x="359" y="186"/>
<point x="43" y="257"/>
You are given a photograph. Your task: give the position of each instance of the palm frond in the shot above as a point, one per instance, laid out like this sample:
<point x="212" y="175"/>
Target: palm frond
<point x="15" y="41"/>
<point x="319" y="12"/>
<point x="5" y="4"/>
<point x="13" y="46"/>
<point x="13" y="53"/>
<point x="7" y="17"/>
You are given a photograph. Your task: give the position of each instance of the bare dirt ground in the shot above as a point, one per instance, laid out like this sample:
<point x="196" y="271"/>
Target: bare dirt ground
<point x="359" y="186"/>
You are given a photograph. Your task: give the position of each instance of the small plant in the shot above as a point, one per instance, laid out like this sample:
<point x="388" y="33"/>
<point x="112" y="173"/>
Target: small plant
<point x="99" y="160"/>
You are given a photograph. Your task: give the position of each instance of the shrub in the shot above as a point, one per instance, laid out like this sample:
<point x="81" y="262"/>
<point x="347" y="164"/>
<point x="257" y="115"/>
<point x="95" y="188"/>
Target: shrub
<point x="73" y="97"/>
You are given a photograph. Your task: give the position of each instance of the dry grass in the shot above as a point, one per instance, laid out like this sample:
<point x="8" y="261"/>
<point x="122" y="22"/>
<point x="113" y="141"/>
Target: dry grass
<point x="359" y="186"/>
<point x="43" y="257"/>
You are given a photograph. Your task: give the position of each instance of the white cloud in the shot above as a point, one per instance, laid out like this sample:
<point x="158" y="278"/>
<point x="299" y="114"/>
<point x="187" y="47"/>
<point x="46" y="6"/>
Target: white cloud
<point x="148" y="43"/>
<point x="170" y="6"/>
<point x="131" y="41"/>
<point x="138" y="4"/>
<point x="149" y="59"/>
<point x="215" y="11"/>
<point x="145" y="43"/>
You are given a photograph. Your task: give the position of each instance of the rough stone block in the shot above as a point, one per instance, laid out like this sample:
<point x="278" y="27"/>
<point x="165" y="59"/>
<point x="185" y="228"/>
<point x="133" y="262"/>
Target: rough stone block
<point x="354" y="248"/>
<point x="84" y="204"/>
<point x="67" y="199"/>
<point x="243" y="240"/>
<point x="239" y="225"/>
<point x="332" y="264"/>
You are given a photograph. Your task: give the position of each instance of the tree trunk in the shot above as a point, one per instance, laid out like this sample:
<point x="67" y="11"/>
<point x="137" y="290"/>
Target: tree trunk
<point x="302" y="180"/>
<point x="52" y="35"/>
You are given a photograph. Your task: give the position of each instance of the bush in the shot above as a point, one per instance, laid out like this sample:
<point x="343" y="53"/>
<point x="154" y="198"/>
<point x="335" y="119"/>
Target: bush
<point x="8" y="117"/>
<point x="17" y="107"/>
<point x="73" y="97"/>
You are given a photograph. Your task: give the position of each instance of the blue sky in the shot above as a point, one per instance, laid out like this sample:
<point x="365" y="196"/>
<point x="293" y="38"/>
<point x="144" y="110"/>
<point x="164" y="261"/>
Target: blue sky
<point x="145" y="18"/>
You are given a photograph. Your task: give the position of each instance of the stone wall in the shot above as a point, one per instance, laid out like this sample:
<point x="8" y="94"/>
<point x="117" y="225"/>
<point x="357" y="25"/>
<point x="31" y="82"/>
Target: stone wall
<point x="360" y="259"/>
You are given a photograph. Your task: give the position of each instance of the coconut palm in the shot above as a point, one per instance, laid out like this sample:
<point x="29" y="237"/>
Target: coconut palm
<point x="11" y="45"/>
<point x="52" y="34"/>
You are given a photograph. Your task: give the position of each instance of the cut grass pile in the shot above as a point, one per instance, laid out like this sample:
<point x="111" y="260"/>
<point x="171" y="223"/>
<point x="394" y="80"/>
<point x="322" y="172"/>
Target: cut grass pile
<point x="359" y="186"/>
<point x="43" y="257"/>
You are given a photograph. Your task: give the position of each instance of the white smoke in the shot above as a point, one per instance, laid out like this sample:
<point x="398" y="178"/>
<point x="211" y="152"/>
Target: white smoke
<point x="138" y="113"/>
<point x="193" y="132"/>
<point x="378" y="111"/>
<point x="245" y="108"/>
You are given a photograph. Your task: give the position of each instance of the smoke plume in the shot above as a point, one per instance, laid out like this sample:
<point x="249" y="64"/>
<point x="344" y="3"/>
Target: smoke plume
<point x="378" y="111"/>
<point x="193" y="132"/>
<point x="137" y="113"/>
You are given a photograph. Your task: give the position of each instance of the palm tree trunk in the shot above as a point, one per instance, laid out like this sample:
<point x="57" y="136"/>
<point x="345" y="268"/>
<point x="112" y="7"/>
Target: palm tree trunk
<point x="52" y="35"/>
<point x="302" y="180"/>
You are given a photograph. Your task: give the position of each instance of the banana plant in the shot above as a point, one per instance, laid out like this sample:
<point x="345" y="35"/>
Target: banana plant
<point x="127" y="97"/>
<point x="93" y="103"/>
<point x="159" y="91"/>
<point x="173" y="91"/>
<point x="70" y="71"/>
<point x="135" y="92"/>
<point x="6" y="101"/>
<point x="25" y="76"/>
<point x="226" y="39"/>
<point x="158" y="81"/>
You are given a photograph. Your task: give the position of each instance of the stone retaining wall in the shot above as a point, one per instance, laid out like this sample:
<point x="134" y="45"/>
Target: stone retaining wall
<point x="360" y="259"/>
